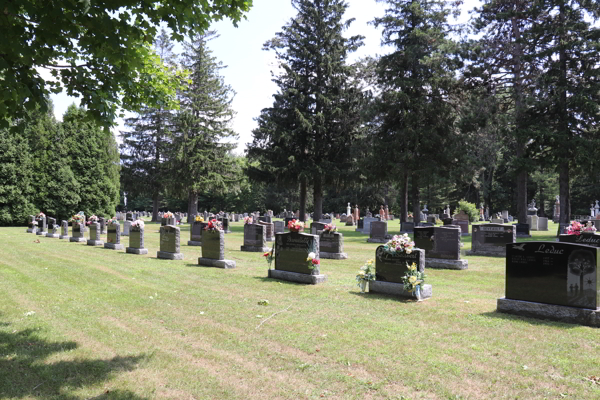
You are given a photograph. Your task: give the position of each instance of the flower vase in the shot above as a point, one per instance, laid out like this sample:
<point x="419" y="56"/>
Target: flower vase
<point x="363" y="285"/>
<point x="418" y="293"/>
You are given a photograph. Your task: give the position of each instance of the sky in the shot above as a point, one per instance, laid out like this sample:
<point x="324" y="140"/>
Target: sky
<point x="249" y="67"/>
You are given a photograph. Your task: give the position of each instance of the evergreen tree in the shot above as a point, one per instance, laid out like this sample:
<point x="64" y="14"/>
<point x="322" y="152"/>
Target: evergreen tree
<point x="145" y="144"/>
<point x="199" y="158"/>
<point x="314" y="120"/>
<point x="415" y="130"/>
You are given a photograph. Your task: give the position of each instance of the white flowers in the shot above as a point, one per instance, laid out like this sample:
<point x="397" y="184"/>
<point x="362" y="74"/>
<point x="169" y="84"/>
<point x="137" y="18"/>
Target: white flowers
<point x="311" y="255"/>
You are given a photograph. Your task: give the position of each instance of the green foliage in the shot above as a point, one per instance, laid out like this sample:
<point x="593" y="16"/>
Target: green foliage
<point x="97" y="50"/>
<point x="470" y="209"/>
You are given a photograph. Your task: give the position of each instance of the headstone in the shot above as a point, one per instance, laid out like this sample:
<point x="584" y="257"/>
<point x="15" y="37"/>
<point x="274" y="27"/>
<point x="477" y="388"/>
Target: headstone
<point x="331" y="245"/>
<point x="552" y="281"/>
<point x="169" y="221"/>
<point x="349" y="220"/>
<point x="265" y="218"/>
<point x="255" y="238"/>
<point x="41" y="226"/>
<point x="504" y="214"/>
<point x="378" y="233"/>
<point x="366" y="226"/>
<point x="491" y="239"/>
<point x="77" y="234"/>
<point x="113" y="236"/>
<point x="317" y="227"/>
<point x="291" y="251"/>
<point x="196" y="229"/>
<point x="95" y="235"/>
<point x="532" y="210"/>
<point x="136" y="241"/>
<point x="497" y="221"/>
<point x="523" y="230"/>
<point x="589" y="239"/>
<point x="126" y="227"/>
<point x="407" y="227"/>
<point x="532" y="221"/>
<point x="169" y="243"/>
<point x="390" y="268"/>
<point x="441" y="245"/>
<point x="102" y="225"/>
<point x="31" y="224"/>
<point x="225" y="222"/>
<point x="270" y="234"/>
<point x="129" y="217"/>
<point x="64" y="230"/>
<point x="431" y="219"/>
<point x="278" y="227"/>
<point x="542" y="224"/>
<point x="462" y="220"/>
<point x="213" y="250"/>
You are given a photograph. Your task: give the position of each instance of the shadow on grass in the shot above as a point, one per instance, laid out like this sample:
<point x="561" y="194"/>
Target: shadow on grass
<point x="529" y="320"/>
<point x="382" y="296"/>
<point x="24" y="373"/>
<point x="273" y="280"/>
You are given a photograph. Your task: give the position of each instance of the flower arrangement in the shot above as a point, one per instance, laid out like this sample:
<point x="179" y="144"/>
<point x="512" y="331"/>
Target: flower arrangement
<point x="577" y="228"/>
<point x="113" y="221"/>
<point x="269" y="256"/>
<point x="213" y="226"/>
<point x="168" y="214"/>
<point x="199" y="218"/>
<point x="93" y="219"/>
<point x="366" y="273"/>
<point x="312" y="261"/>
<point x="248" y="220"/>
<point x="413" y="278"/>
<point x="329" y="228"/>
<point x="41" y="215"/>
<point x="138" y="223"/>
<point x="295" y="226"/>
<point x="398" y="244"/>
<point x="77" y="218"/>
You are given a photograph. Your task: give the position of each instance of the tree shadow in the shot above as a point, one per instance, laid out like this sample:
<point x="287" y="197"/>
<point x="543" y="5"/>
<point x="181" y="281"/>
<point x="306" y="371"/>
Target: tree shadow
<point x="24" y="373"/>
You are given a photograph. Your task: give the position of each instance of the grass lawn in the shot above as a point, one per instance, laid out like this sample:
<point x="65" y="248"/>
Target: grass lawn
<point x="82" y="322"/>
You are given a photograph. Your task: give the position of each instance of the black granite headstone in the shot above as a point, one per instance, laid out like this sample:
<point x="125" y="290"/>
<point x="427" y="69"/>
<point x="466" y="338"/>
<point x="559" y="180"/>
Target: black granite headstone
<point x="331" y="242"/>
<point x="196" y="231"/>
<point x="315" y="227"/>
<point x="439" y="242"/>
<point x="522" y="229"/>
<point x="590" y="239"/>
<point x="292" y="249"/>
<point x="392" y="267"/>
<point x="554" y="273"/>
<point x="255" y="235"/>
<point x="114" y="234"/>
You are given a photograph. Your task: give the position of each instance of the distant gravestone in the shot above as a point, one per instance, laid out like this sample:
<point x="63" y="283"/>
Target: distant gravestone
<point x="391" y="267"/>
<point x="31" y="224"/>
<point x="102" y="225"/>
<point x="77" y="234"/>
<point x="126" y="228"/>
<point x="407" y="227"/>
<point x="269" y="230"/>
<point x="52" y="228"/>
<point x="366" y="225"/>
<point x="136" y="241"/>
<point x="113" y="236"/>
<point x="64" y="230"/>
<point x="542" y="224"/>
<point x="441" y="245"/>
<point x="552" y="280"/>
<point x="491" y="239"/>
<point x="278" y="227"/>
<point x="255" y="238"/>
<point x="196" y="229"/>
<point x="95" y="232"/>
<point x="349" y="220"/>
<point x="169" y="243"/>
<point x="169" y="221"/>
<point x="213" y="250"/>
<point x="317" y="227"/>
<point x="523" y="230"/>
<point x="225" y="222"/>
<point x="533" y="220"/>
<point x="129" y="216"/>
<point x="462" y="220"/>
<point x="291" y="252"/>
<point x="41" y="226"/>
<point x="331" y="246"/>
<point x="379" y="233"/>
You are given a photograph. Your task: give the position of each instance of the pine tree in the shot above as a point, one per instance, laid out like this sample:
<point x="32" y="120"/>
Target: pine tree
<point x="145" y="144"/>
<point x="314" y="120"/>
<point x="199" y="158"/>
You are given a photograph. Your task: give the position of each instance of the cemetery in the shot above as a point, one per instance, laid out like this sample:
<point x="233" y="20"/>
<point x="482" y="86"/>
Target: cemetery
<point x="334" y="219"/>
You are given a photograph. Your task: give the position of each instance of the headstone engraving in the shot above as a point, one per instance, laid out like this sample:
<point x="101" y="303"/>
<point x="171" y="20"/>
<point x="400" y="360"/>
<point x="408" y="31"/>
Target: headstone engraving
<point x="169" y="243"/>
<point x="291" y="252"/>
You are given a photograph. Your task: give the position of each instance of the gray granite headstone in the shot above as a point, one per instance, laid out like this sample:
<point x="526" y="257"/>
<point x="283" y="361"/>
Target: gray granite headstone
<point x="78" y="230"/>
<point x="64" y="230"/>
<point x="113" y="237"/>
<point x="278" y="227"/>
<point x="213" y="250"/>
<point x="378" y="232"/>
<point x="136" y="241"/>
<point x="41" y="226"/>
<point x="442" y="246"/>
<point x="95" y="232"/>
<point x="332" y="246"/>
<point x="169" y="243"/>
<point x="52" y="228"/>
<point x="491" y="239"/>
<point x="31" y="224"/>
<point x="196" y="229"/>
<point x="269" y="233"/>
<point x="126" y="228"/>
<point x="255" y="238"/>
<point x="407" y="227"/>
<point x="291" y="252"/>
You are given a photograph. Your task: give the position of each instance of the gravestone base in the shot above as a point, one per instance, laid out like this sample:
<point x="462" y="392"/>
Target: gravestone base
<point x="38" y="232"/>
<point x="194" y="243"/>
<point x="487" y="253"/>
<point x="379" y="240"/>
<point x="333" y="256"/>
<point x="169" y="256"/>
<point x="77" y="239"/>
<point x="296" y="277"/>
<point x="95" y="242"/>
<point x="445" y="264"/>
<point x="113" y="246"/>
<point x="572" y="315"/>
<point x="135" y="250"/>
<point x="63" y="237"/>
<point x="209" y="262"/>
<point x="52" y="235"/>
<point x="255" y="249"/>
<point x="397" y="289"/>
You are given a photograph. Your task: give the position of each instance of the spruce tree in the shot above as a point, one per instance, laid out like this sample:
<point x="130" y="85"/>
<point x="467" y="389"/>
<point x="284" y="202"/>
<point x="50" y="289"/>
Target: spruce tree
<point x="314" y="120"/>
<point x="200" y="159"/>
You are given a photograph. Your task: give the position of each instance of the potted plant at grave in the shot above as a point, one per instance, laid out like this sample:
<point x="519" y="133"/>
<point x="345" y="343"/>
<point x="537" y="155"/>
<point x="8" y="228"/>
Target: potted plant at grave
<point x="137" y="225"/>
<point x="113" y="221"/>
<point x="365" y="274"/>
<point x="248" y="220"/>
<point x="399" y="244"/>
<point x="92" y="220"/>
<point x="295" y="226"/>
<point x="577" y="228"/>
<point x="213" y="226"/>
<point x="413" y="279"/>
<point x="330" y="229"/>
<point x="76" y="219"/>
<point x="269" y="255"/>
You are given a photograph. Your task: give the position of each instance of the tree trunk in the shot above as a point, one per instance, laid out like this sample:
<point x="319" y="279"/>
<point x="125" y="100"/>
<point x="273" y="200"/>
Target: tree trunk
<point x="192" y="205"/>
<point x="302" y="199"/>
<point x="542" y="202"/>
<point x="404" y="197"/>
<point x="155" y="206"/>
<point x="563" y="190"/>
<point x="317" y="197"/>
<point x="415" y="199"/>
